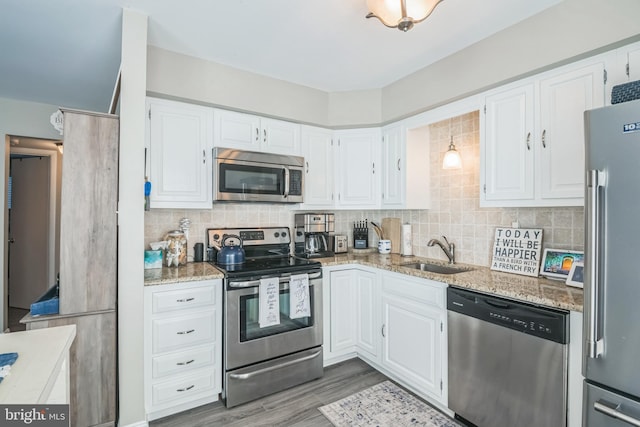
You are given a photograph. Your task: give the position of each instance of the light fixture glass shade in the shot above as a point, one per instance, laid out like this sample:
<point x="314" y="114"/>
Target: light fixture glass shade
<point x="452" y="158"/>
<point x="401" y="14"/>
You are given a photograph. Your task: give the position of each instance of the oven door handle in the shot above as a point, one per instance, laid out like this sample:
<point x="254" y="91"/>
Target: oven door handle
<point x="275" y="367"/>
<point x="283" y="279"/>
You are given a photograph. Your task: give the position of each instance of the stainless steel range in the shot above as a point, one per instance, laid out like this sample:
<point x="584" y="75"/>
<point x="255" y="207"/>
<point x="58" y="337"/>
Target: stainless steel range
<point x="264" y="355"/>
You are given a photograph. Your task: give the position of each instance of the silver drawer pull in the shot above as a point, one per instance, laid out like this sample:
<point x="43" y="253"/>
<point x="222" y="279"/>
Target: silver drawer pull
<point x="185" y="363"/>
<point x="186" y="332"/>
<point x="615" y="412"/>
<point x="185" y="299"/>
<point x="180" y="390"/>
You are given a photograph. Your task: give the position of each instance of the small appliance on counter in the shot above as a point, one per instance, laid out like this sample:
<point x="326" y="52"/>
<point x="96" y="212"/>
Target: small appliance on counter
<point x="312" y="235"/>
<point x="340" y="245"/>
<point x="361" y="234"/>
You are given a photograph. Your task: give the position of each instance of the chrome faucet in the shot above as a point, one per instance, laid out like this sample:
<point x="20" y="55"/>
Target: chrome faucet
<point x="449" y="250"/>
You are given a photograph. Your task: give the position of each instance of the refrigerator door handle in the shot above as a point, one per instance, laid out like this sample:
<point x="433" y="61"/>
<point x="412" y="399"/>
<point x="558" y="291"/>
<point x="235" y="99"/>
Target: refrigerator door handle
<point x="596" y="180"/>
<point x="614" y="411"/>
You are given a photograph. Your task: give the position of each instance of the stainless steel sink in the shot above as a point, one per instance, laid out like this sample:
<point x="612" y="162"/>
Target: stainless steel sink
<point x="437" y="268"/>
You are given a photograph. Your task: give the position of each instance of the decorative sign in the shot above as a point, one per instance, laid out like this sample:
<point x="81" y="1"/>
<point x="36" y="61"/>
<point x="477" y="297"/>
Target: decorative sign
<point x="57" y="120"/>
<point x="517" y="250"/>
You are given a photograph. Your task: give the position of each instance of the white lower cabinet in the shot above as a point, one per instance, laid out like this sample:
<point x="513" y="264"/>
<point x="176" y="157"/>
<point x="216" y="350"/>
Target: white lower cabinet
<point x="395" y="322"/>
<point x="183" y="346"/>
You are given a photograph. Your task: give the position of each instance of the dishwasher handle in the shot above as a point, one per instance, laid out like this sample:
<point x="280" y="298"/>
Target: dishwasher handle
<point x="615" y="411"/>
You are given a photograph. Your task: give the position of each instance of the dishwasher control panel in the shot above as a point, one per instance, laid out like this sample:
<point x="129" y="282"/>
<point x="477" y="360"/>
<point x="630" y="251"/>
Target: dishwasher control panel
<point x="542" y="322"/>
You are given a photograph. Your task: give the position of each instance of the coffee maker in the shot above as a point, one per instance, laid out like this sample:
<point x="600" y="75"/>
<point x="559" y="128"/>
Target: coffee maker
<point x="312" y="238"/>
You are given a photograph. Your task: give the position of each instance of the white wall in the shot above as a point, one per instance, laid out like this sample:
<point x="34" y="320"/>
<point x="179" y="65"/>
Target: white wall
<point x="131" y="220"/>
<point x="572" y="29"/>
<point x="189" y="78"/>
<point x="23" y="119"/>
<point x="569" y="30"/>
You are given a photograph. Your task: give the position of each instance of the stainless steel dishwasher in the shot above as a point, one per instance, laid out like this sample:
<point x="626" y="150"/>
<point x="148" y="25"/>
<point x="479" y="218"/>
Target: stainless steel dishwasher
<point x="507" y="361"/>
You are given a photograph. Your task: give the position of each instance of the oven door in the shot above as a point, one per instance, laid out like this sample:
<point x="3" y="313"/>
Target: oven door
<point x="246" y="342"/>
<point x="238" y="180"/>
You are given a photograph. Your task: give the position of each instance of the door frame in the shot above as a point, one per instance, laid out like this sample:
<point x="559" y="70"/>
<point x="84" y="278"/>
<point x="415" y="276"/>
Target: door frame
<point x="53" y="173"/>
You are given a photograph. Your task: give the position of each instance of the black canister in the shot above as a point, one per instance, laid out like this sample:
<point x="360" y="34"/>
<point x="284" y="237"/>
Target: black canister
<point x="198" y="252"/>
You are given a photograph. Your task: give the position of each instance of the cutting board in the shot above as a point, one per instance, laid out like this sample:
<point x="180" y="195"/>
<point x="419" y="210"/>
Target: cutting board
<point x="392" y="229"/>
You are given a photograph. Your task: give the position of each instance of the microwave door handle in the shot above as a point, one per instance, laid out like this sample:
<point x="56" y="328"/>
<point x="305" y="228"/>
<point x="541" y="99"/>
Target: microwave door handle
<point x="286" y="181"/>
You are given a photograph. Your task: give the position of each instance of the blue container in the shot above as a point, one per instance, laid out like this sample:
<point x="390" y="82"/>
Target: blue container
<point x="48" y="303"/>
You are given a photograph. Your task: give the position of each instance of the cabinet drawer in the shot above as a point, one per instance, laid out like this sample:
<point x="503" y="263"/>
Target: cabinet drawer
<point x="183" y="361"/>
<point x="178" y="299"/>
<point x="178" y="332"/>
<point x="419" y="290"/>
<point x="184" y="388"/>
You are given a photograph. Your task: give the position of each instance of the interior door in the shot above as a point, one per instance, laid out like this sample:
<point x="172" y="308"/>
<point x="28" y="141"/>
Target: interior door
<point x="28" y="230"/>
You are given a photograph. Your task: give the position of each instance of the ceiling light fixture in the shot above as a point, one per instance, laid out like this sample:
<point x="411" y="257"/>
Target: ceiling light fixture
<point x="401" y="14"/>
<point x="452" y="158"/>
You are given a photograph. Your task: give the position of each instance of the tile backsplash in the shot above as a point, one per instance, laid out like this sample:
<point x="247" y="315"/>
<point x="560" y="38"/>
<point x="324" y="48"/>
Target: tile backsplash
<point x="455" y="210"/>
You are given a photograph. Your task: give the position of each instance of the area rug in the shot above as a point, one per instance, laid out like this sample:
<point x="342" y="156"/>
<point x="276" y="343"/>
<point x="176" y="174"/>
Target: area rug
<point x="383" y="405"/>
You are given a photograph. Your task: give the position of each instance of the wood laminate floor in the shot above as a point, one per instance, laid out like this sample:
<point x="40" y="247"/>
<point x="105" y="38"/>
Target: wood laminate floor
<point x="297" y="406"/>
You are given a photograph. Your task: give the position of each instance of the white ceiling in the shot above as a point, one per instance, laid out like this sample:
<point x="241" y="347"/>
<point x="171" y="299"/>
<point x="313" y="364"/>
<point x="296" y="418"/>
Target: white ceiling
<point x="66" y="52"/>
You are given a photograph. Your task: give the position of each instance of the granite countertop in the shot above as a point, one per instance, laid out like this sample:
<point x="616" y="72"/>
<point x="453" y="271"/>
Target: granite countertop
<point x="191" y="272"/>
<point x="536" y="290"/>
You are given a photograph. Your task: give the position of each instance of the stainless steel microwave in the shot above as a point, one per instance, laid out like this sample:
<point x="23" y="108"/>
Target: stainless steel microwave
<point x="250" y="176"/>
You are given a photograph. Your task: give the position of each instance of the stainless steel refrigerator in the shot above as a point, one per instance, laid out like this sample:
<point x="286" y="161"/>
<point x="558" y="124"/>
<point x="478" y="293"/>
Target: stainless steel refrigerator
<point x="611" y="364"/>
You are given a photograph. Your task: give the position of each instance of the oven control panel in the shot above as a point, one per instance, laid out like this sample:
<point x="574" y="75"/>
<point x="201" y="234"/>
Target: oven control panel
<point x="250" y="236"/>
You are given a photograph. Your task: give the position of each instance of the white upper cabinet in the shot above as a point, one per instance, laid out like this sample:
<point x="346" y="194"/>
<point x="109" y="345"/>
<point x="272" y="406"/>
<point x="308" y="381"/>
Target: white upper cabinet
<point x="563" y="100"/>
<point x="393" y="166"/>
<point x="532" y="152"/>
<point x="508" y="144"/>
<point x="254" y="133"/>
<point x="317" y="149"/>
<point x="359" y="169"/>
<point x="179" y="140"/>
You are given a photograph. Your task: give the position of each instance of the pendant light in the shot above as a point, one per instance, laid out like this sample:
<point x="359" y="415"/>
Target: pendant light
<point x="401" y="14"/>
<point x="452" y="158"/>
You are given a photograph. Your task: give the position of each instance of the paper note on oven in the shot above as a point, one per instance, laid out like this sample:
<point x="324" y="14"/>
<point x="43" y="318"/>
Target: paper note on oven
<point x="269" y="311"/>
<point x="299" y="296"/>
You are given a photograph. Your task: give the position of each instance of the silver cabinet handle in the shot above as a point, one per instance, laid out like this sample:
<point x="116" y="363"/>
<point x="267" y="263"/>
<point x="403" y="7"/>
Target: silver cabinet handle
<point x="273" y="368"/>
<point x="615" y="412"/>
<point x="188" y="362"/>
<point x="204" y="157"/>
<point x="382" y="331"/>
<point x="307" y="166"/>
<point x="596" y="180"/>
<point x="180" y="390"/>
<point x="398" y="164"/>
<point x="186" y="332"/>
<point x="257" y="134"/>
<point x="528" y="141"/>
<point x="185" y="299"/>
<point x="373" y="166"/>
<point x="265" y="134"/>
<point x="544" y="138"/>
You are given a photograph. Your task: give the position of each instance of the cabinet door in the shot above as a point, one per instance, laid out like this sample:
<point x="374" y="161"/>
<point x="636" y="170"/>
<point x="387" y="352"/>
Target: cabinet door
<point x="343" y="313"/>
<point x="508" y="146"/>
<point x="317" y="149"/>
<point x="359" y="168"/>
<point x="563" y="101"/>
<point x="393" y="167"/>
<point x="633" y="61"/>
<point x="367" y="323"/>
<point x="180" y="137"/>
<point x="237" y="130"/>
<point x="412" y="342"/>
<point x="280" y="137"/>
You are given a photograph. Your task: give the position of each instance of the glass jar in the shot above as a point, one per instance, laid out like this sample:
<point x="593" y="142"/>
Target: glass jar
<point x="176" y="252"/>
